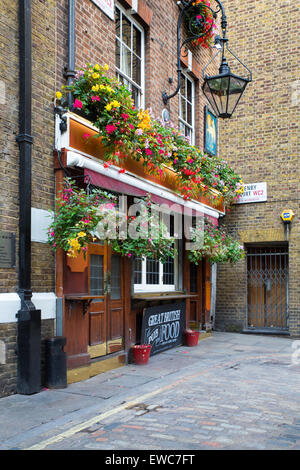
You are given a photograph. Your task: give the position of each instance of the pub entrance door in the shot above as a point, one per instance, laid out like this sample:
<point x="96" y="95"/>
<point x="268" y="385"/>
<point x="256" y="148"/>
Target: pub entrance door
<point x="267" y="279"/>
<point x="106" y="310"/>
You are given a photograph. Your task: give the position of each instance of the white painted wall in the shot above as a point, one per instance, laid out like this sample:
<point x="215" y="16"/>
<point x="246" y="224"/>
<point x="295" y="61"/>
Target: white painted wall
<point x="10" y="304"/>
<point x="40" y="221"/>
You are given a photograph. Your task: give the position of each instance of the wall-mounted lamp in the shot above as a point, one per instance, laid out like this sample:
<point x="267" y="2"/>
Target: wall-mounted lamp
<point x="223" y="91"/>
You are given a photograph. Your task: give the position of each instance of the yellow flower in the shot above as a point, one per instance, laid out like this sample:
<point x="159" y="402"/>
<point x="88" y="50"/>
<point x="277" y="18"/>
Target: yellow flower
<point x="58" y="95"/>
<point x="97" y="67"/>
<point x="106" y="67"/>
<point x="109" y="89"/>
<point x="145" y="119"/>
<point x="81" y="234"/>
<point x="102" y="87"/>
<point x="115" y="104"/>
<point x="108" y="107"/>
<point x="95" y="88"/>
<point x="95" y="75"/>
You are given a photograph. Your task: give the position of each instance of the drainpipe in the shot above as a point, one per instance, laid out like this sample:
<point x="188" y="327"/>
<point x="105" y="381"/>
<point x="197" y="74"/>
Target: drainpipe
<point x="29" y="319"/>
<point x="70" y="69"/>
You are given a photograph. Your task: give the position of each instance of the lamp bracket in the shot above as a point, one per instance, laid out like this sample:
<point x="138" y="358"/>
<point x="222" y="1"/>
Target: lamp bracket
<point x="196" y="32"/>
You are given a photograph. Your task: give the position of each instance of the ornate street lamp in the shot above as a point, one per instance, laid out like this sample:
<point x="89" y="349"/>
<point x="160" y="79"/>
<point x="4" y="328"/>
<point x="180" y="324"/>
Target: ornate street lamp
<point x="223" y="91"/>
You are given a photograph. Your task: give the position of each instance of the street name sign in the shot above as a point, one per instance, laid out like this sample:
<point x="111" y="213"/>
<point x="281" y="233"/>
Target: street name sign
<point x="253" y="192"/>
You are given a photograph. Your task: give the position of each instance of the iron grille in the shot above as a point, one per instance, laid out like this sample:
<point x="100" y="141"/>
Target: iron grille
<point x="267" y="287"/>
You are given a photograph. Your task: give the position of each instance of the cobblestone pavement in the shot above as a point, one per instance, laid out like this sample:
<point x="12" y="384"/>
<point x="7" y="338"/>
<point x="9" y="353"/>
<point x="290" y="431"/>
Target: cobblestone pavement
<point x="232" y="391"/>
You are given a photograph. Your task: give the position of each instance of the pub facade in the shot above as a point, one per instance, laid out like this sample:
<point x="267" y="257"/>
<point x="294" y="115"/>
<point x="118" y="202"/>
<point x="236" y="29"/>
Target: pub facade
<point x="101" y="301"/>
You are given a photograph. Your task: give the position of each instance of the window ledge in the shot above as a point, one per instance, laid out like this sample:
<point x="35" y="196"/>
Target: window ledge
<point x="163" y="296"/>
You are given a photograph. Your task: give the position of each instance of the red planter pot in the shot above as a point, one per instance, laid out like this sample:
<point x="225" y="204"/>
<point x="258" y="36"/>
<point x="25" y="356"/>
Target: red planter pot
<point x="141" y="353"/>
<point x="191" y="337"/>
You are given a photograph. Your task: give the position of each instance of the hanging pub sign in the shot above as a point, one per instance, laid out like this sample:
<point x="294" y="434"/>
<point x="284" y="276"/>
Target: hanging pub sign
<point x="210" y="132"/>
<point x="108" y="6"/>
<point x="254" y="192"/>
<point x="163" y="326"/>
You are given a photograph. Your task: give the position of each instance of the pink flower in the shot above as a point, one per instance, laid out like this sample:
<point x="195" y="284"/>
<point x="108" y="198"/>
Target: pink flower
<point x="110" y="128"/>
<point x="86" y="136"/>
<point x="77" y="104"/>
<point x="95" y="98"/>
<point x="148" y="152"/>
<point x="125" y="117"/>
<point x="131" y="126"/>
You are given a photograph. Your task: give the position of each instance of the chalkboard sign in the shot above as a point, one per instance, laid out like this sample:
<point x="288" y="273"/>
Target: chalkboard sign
<point x="163" y="326"/>
<point x="7" y="250"/>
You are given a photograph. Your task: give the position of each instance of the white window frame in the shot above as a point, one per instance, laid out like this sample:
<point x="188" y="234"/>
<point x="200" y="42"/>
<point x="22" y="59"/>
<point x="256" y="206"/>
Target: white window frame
<point x="180" y="118"/>
<point x="161" y="287"/>
<point x="141" y="87"/>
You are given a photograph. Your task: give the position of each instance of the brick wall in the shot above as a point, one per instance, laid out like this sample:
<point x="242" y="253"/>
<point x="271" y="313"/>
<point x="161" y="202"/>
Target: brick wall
<point x="95" y="43"/>
<point x="43" y="90"/>
<point x="8" y="371"/>
<point x="262" y="142"/>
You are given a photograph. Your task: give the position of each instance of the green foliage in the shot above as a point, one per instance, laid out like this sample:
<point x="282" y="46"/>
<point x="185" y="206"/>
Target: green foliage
<point x="82" y="218"/>
<point x="215" y="244"/>
<point x="127" y="131"/>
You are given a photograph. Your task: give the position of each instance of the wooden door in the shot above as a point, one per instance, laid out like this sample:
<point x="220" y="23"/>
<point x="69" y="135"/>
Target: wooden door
<point x="197" y="317"/>
<point x="106" y="312"/>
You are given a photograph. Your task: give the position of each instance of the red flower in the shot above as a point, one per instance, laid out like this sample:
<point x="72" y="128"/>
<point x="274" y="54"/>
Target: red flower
<point x="122" y="170"/>
<point x="110" y="128"/>
<point x="77" y="104"/>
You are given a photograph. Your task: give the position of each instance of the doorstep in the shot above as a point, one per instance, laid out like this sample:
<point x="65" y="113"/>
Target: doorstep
<point x="204" y="334"/>
<point x="96" y="367"/>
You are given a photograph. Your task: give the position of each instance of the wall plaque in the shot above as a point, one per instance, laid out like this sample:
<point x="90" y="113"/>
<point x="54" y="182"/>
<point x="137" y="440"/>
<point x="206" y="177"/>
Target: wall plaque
<point x="7" y="250"/>
<point x="163" y="326"/>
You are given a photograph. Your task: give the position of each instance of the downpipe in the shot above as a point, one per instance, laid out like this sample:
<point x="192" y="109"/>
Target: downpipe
<point x="29" y="318"/>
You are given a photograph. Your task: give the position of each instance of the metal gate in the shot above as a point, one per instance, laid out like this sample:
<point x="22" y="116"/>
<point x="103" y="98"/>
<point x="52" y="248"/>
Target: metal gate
<point x="267" y="287"/>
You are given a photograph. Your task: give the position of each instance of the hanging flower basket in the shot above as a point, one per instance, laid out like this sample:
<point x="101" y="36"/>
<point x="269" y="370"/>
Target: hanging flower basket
<point x="214" y="244"/>
<point x="200" y="21"/>
<point x="81" y="219"/>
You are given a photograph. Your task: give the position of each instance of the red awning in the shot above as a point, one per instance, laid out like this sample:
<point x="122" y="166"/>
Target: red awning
<point x="112" y="184"/>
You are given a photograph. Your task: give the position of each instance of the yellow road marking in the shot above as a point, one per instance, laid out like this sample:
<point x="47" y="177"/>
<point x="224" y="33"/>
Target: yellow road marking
<point x="96" y="419"/>
<point x="102" y="416"/>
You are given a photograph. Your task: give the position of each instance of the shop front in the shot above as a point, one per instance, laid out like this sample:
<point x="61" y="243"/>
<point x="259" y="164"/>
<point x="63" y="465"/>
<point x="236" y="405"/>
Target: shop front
<point x="107" y="300"/>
